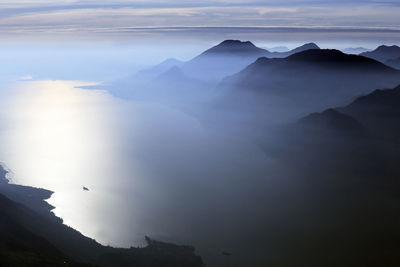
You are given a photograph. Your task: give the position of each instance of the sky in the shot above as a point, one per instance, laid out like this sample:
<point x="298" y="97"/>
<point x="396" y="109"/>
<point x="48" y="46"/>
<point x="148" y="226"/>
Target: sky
<point x="149" y="31"/>
<point x="138" y="17"/>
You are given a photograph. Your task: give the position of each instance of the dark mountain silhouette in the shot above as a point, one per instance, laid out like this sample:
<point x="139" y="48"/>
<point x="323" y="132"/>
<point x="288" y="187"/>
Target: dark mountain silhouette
<point x="379" y="111"/>
<point x="383" y="53"/>
<point x="373" y="118"/>
<point x="21" y="247"/>
<point x="382" y="102"/>
<point x="344" y="184"/>
<point x="31" y="235"/>
<point x="302" y="83"/>
<point x="234" y="48"/>
<point x="231" y="56"/>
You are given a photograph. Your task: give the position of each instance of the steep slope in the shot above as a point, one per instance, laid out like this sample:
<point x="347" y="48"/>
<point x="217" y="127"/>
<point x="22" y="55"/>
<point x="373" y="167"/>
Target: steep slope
<point x="21" y="247"/>
<point x="383" y="53"/>
<point x="343" y="179"/>
<point x="379" y="111"/>
<point x="45" y="237"/>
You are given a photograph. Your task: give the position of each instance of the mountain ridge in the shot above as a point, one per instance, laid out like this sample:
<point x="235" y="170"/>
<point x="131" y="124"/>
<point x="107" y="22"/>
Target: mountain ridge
<point x="383" y="53"/>
<point x="302" y="83"/>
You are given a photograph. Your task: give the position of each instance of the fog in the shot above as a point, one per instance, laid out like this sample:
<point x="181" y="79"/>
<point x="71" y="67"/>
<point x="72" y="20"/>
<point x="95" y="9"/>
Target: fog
<point x="221" y="162"/>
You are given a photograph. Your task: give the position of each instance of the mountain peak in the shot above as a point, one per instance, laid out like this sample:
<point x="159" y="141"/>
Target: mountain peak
<point x="318" y="55"/>
<point x="235" y="47"/>
<point x="388" y="48"/>
<point x="335" y="57"/>
<point x="236" y="43"/>
<point x="304" y="47"/>
<point x="171" y="62"/>
<point x="384" y="53"/>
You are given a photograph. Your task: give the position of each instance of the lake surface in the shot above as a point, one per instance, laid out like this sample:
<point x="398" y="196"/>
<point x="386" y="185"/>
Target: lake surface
<point x="150" y="169"/>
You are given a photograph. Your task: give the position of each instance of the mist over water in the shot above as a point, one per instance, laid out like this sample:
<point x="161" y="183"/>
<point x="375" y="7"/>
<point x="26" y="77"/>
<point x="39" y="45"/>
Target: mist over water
<point x="150" y="169"/>
<point x="190" y="161"/>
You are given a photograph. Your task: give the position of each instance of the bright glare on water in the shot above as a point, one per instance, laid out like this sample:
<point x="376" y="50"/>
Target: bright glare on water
<point x="150" y="169"/>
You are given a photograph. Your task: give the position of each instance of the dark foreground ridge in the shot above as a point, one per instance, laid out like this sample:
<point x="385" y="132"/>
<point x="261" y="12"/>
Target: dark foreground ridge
<point x="344" y="163"/>
<point x="31" y="235"/>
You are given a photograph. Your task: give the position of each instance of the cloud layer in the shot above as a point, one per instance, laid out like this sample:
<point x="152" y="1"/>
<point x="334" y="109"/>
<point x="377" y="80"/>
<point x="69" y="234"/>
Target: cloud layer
<point x="45" y="16"/>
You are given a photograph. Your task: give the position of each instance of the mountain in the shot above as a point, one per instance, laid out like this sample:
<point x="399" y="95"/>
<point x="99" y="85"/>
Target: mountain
<point x="379" y="111"/>
<point x="234" y="48"/>
<point x="231" y="56"/>
<point x="157" y="70"/>
<point x="333" y="121"/>
<point x="279" y="89"/>
<point x="172" y="86"/>
<point x="394" y="63"/>
<point x="382" y="102"/>
<point x="341" y="174"/>
<point x="383" y="53"/>
<point x="305" y="47"/>
<point x="29" y="236"/>
<point x="355" y="50"/>
<point x="278" y="49"/>
<point x="373" y="118"/>
<point x="224" y="59"/>
<point x="21" y="247"/>
<point x="202" y="72"/>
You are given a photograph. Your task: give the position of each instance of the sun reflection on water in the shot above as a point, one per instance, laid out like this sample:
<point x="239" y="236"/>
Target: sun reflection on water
<point x="61" y="138"/>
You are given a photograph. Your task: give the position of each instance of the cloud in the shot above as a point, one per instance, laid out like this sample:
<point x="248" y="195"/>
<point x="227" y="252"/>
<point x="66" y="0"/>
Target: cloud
<point x="70" y="15"/>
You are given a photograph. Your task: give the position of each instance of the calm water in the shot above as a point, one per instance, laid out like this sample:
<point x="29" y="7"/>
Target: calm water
<point x="151" y="170"/>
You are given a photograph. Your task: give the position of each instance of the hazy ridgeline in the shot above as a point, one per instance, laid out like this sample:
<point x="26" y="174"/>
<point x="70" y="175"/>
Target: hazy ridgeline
<point x="221" y="152"/>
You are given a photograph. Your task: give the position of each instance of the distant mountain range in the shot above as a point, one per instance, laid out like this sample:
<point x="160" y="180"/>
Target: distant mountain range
<point x="172" y="78"/>
<point x="229" y="57"/>
<point x="301" y="80"/>
<point x="278" y="49"/>
<point x="383" y="53"/>
<point x="304" y="82"/>
<point x="389" y="55"/>
<point x="355" y="50"/>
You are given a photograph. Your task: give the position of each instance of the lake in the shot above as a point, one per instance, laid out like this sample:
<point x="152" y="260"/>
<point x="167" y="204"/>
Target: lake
<point x="149" y="169"/>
